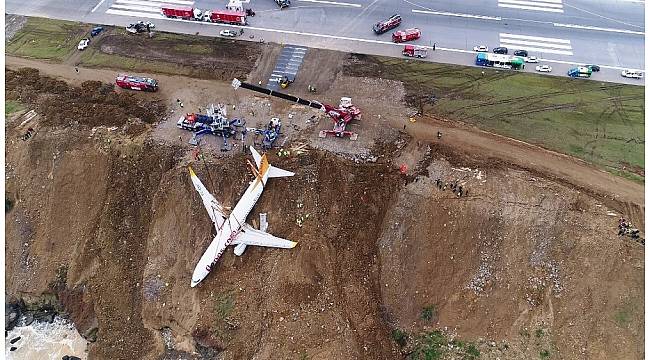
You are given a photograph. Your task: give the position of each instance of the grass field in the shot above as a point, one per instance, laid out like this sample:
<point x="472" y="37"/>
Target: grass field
<point x="47" y="39"/>
<point x="12" y="106"/>
<point x="97" y="59"/>
<point x="602" y="123"/>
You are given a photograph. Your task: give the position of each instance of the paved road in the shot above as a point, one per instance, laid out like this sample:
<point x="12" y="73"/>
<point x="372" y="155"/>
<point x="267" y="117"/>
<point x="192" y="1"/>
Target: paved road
<point x="563" y="33"/>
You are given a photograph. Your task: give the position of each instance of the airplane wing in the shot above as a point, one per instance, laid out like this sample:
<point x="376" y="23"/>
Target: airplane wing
<point x="251" y="236"/>
<point x="215" y="210"/>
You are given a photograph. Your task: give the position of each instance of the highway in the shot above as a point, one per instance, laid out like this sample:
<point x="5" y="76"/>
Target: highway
<point x="562" y="33"/>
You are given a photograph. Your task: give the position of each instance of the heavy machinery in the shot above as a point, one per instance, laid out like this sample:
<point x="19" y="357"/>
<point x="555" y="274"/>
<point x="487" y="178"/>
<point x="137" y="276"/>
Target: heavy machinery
<point x="214" y="122"/>
<point x="270" y="134"/>
<point x="140" y="27"/>
<point x="283" y="3"/>
<point x="285" y="81"/>
<point x="341" y="115"/>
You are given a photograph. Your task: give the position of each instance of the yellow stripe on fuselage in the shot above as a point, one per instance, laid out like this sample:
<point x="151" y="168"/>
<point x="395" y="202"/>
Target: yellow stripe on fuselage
<point x="264" y="168"/>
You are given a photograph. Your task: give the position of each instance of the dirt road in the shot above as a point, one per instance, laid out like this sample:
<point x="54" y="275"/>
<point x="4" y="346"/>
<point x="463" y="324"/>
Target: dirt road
<point x="465" y="138"/>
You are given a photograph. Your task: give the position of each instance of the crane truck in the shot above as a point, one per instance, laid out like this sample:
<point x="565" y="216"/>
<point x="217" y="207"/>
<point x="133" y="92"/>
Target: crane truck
<point x="341" y="115"/>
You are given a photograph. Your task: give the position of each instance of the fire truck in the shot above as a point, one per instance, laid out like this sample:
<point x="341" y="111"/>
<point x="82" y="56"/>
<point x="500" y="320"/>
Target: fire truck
<point x="414" y="51"/>
<point x="215" y="16"/>
<point x="136" y="83"/>
<point x="406" y="35"/>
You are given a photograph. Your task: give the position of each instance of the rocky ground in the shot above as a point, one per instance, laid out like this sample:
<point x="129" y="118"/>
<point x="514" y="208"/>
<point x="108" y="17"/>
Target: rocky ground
<point x="522" y="265"/>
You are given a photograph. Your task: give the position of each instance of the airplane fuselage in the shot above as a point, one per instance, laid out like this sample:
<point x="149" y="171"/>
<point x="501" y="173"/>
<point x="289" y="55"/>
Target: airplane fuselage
<point x="231" y="226"/>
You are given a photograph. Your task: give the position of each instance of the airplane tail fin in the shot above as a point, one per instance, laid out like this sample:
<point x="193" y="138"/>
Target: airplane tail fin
<point x="274" y="172"/>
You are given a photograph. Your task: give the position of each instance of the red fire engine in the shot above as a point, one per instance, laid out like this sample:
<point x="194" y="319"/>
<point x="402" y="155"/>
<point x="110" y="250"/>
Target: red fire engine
<point x="136" y="83"/>
<point x="406" y="35"/>
<point x="414" y="51"/>
<point x="215" y="16"/>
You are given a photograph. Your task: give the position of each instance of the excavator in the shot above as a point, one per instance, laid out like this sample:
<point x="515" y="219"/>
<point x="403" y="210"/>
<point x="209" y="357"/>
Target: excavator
<point x="341" y="115"/>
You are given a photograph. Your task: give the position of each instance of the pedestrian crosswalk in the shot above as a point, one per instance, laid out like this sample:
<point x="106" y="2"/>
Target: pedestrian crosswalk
<point x="535" y="44"/>
<point x="144" y="8"/>
<point x="288" y="63"/>
<point x="535" y="5"/>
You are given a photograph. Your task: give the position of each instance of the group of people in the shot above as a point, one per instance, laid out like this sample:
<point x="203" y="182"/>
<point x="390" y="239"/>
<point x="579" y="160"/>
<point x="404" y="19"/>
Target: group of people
<point x="625" y="228"/>
<point x="458" y="190"/>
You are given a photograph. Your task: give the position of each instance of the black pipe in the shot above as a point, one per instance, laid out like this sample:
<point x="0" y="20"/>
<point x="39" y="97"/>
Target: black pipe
<point x="313" y="104"/>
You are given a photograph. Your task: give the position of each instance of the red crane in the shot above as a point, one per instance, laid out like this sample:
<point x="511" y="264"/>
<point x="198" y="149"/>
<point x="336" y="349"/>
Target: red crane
<point x="341" y="115"/>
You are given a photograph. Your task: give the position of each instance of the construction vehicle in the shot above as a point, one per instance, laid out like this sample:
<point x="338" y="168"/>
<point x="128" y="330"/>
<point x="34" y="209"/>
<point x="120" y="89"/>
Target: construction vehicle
<point x="283" y="3"/>
<point x="406" y="35"/>
<point x="341" y="115"/>
<point x="270" y="134"/>
<point x="140" y="27"/>
<point x="284" y="82"/>
<point x="213" y="122"/>
<point x="136" y="83"/>
<point x="414" y="51"/>
<point x="388" y="24"/>
<point x="196" y="14"/>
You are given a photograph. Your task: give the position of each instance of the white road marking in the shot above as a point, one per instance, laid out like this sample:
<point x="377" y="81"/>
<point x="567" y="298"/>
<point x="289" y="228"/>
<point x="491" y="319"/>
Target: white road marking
<point x="536" y="43"/>
<point x="530" y="3"/>
<point x="483" y="17"/>
<point x="535" y="5"/>
<point x="332" y="3"/>
<point x="530" y="8"/>
<point x="599" y="29"/>
<point x="136" y="14"/>
<point x="96" y="6"/>
<point x="523" y="43"/>
<point x="137" y="2"/>
<point x="136" y="8"/>
<point x="175" y="2"/>
<point x="517" y="36"/>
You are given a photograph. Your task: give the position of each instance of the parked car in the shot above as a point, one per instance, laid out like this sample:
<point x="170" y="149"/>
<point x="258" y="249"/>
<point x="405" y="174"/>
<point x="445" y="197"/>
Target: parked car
<point x="83" y="44"/>
<point x="595" y="68"/>
<point x="522" y="53"/>
<point x="632" y="74"/>
<point x="96" y="30"/>
<point x="531" y="59"/>
<point x="543" y="68"/>
<point x="481" y="48"/>
<point x="388" y="24"/>
<point x="500" y="50"/>
<point x="228" y="33"/>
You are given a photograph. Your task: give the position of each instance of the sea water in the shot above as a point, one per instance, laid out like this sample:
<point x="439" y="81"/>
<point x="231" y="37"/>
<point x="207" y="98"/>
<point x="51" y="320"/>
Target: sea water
<point x="47" y="341"/>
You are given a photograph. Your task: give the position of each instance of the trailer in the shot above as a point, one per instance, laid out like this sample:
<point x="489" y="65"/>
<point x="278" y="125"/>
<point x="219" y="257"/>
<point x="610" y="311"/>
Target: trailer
<point x="215" y="16"/>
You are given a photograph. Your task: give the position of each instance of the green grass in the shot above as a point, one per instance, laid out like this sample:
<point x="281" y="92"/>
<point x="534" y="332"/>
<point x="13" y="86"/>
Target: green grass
<point x="544" y="354"/>
<point x="12" y="106"/>
<point x="400" y="337"/>
<point x="96" y="59"/>
<point x="428" y="313"/>
<point x="224" y="304"/>
<point x="434" y="345"/>
<point x="200" y="49"/>
<point x="47" y="39"/>
<point x="602" y="123"/>
<point x="624" y="314"/>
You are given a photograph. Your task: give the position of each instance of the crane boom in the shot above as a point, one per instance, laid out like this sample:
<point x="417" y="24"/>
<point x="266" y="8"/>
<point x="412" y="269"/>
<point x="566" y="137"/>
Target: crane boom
<point x="314" y="104"/>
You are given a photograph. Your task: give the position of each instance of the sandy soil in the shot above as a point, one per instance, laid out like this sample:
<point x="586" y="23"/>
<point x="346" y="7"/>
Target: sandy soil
<point x="527" y="261"/>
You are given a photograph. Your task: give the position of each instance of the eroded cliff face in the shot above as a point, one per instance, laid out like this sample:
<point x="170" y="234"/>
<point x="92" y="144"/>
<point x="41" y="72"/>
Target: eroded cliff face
<point x="105" y="217"/>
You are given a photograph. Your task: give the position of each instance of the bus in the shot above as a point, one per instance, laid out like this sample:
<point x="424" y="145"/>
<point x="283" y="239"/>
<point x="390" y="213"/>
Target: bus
<point x="500" y="61"/>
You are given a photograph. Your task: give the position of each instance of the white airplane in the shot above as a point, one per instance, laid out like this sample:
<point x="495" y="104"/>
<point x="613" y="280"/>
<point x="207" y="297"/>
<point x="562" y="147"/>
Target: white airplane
<point x="233" y="230"/>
